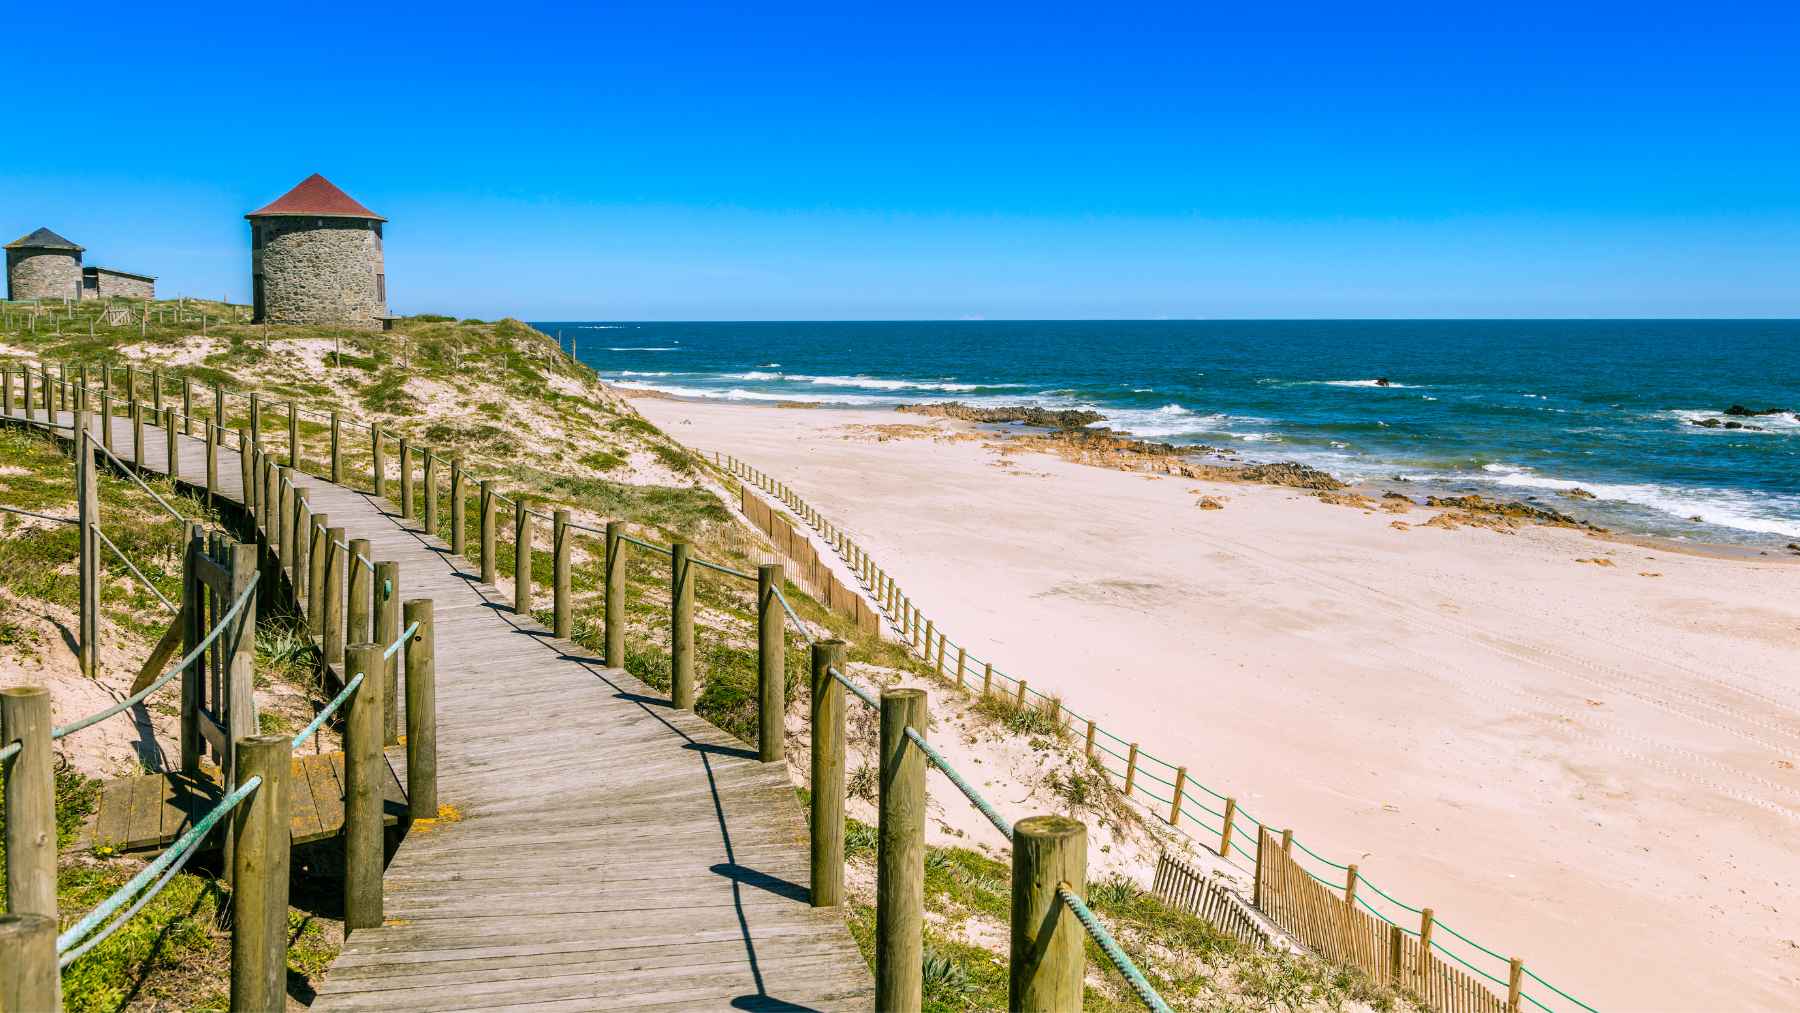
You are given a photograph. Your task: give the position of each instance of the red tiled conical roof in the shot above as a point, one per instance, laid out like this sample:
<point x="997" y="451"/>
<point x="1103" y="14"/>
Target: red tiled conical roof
<point x="316" y="196"/>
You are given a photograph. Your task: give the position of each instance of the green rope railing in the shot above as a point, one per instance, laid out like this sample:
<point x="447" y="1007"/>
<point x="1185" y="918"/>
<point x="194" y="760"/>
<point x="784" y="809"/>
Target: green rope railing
<point x="1115" y="953"/>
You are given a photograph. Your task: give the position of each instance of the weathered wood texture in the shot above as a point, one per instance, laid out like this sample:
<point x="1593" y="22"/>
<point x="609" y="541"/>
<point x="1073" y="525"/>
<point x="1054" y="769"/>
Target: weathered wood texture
<point x="597" y="847"/>
<point x="1181" y="885"/>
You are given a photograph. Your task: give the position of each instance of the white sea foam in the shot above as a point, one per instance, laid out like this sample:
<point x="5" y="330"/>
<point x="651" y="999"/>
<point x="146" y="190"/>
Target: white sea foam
<point x="1727" y="508"/>
<point x="633" y="372"/>
<point x="1357" y="383"/>
<point x="740" y="394"/>
<point x="650" y="348"/>
<point x="1783" y="424"/>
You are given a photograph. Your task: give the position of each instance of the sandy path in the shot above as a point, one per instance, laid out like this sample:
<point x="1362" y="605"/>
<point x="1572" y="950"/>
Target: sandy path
<point x="1588" y="766"/>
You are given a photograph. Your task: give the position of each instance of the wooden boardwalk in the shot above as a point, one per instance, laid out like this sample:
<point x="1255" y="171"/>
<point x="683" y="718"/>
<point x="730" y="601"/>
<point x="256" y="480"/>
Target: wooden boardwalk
<point x="145" y="812"/>
<point x="606" y="851"/>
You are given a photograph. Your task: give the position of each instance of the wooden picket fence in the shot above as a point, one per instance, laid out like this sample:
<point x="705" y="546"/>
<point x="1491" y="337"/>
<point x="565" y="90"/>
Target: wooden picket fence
<point x="1330" y="924"/>
<point x="1182" y="886"/>
<point x="809" y="570"/>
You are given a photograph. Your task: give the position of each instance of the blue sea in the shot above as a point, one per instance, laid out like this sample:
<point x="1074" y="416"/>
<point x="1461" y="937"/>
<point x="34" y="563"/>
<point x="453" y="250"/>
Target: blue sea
<point x="1518" y="409"/>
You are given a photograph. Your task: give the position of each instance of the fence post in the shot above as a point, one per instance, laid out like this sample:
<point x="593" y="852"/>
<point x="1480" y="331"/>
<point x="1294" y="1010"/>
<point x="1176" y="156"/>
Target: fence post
<point x="1047" y="960"/>
<point x="1396" y="939"/>
<point x="827" y="817"/>
<point x="255" y="418"/>
<point x="1088" y="749"/>
<point x="247" y="467"/>
<point x="1514" y="978"/>
<point x="219" y="407"/>
<point x="771" y="664"/>
<point x="194" y="595"/>
<point x="88" y="510"/>
<point x="379" y="470"/>
<point x="930" y="628"/>
<point x="359" y="610"/>
<point x="900" y="855"/>
<point x="962" y="660"/>
<point x="615" y="594"/>
<point x="1175" y="803"/>
<point x="259" y="876"/>
<point x="30" y="802"/>
<point x="316" y="551"/>
<point x="1256" y="882"/>
<point x="293" y="428"/>
<point x="337" y="457"/>
<point x="172" y="466"/>
<point x="489" y="571"/>
<point x="1225" y="831"/>
<point x="1130" y="768"/>
<point x="1020" y="701"/>
<point x="1427" y="921"/>
<point x="280" y="528"/>
<point x="681" y="629"/>
<point x="212" y="461"/>
<point x="137" y="436"/>
<point x="1346" y="941"/>
<point x="521" y="559"/>
<point x="299" y="546"/>
<point x="187" y="406"/>
<point x="458" y="509"/>
<point x="29" y="979"/>
<point x="562" y="598"/>
<point x="106" y="417"/>
<point x="429" y="480"/>
<point x="987" y="678"/>
<point x="364" y="766"/>
<point x="336" y="596"/>
<point x="406" y="486"/>
<point x="421" y="711"/>
<point x="387" y="630"/>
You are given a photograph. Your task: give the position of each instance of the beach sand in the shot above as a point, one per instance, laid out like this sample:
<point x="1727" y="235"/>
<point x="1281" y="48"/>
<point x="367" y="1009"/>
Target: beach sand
<point x="1588" y="766"/>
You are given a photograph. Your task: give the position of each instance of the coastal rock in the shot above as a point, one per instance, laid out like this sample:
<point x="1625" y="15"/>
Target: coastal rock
<point x="1290" y="473"/>
<point x="1741" y="412"/>
<point x="1029" y="415"/>
<point x="1579" y="493"/>
<point x="1208" y="503"/>
<point x="1510" y="510"/>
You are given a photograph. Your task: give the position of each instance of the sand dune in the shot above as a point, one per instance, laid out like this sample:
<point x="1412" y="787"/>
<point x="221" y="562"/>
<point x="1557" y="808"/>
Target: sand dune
<point x="1588" y="765"/>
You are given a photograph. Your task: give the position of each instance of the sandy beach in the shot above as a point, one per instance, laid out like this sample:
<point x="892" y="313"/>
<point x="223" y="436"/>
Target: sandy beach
<point x="1577" y="750"/>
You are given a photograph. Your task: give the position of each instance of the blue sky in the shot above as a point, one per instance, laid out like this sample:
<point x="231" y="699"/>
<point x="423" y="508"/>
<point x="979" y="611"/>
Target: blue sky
<point x="685" y="162"/>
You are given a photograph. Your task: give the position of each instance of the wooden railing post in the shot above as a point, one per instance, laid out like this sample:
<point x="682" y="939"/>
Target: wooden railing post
<point x="1515" y="977"/>
<point x="259" y="892"/>
<point x="316" y="552"/>
<point x="30" y="801"/>
<point x="490" y="573"/>
<point x="87" y="502"/>
<point x="378" y="468"/>
<point x="1048" y="961"/>
<point x="364" y="767"/>
<point x="458" y="509"/>
<point x="293" y="421"/>
<point x="187" y="406"/>
<point x="335" y="623"/>
<point x="406" y="481"/>
<point x="337" y="447"/>
<point x="428" y="479"/>
<point x="300" y="547"/>
<point x="1175" y="803"/>
<point x="156" y="386"/>
<point x="255" y="418"/>
<point x="1130" y="768"/>
<point x="106" y="419"/>
<point x="771" y="665"/>
<point x="615" y="594"/>
<point x="359" y="625"/>
<point x="900" y="855"/>
<point x="827" y="817"/>
<point x="137" y="436"/>
<point x="562" y="608"/>
<point x="172" y="463"/>
<point x="1225" y="831"/>
<point x="1345" y="925"/>
<point x="521" y="558"/>
<point x="421" y="711"/>
<point x="247" y="465"/>
<point x="194" y="597"/>
<point x="219" y="408"/>
<point x="29" y="979"/>
<point x="681" y="627"/>
<point x="212" y="462"/>
<point x="387" y="630"/>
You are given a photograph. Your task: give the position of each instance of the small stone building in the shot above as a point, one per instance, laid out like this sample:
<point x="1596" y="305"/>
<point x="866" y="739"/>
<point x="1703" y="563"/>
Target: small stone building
<point x="43" y="265"/>
<point x="315" y="258"/>
<point x="106" y="283"/>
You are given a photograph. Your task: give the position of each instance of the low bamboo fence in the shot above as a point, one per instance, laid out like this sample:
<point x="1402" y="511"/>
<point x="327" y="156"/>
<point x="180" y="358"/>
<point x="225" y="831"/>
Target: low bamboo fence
<point x="1180" y="885"/>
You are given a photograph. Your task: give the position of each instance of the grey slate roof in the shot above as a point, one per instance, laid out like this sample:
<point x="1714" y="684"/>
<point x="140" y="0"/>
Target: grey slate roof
<point x="43" y="239"/>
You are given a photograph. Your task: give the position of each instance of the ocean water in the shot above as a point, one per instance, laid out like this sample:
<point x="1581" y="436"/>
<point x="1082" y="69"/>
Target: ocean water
<point x="1506" y="408"/>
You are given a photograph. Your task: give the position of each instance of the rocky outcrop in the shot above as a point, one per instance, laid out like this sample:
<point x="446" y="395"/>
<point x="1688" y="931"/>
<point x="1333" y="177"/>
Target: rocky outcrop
<point x="1511" y="511"/>
<point x="1741" y="412"/>
<point x="1725" y="424"/>
<point x="1029" y="415"/>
